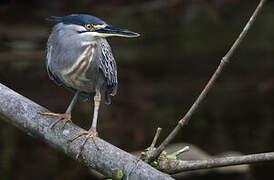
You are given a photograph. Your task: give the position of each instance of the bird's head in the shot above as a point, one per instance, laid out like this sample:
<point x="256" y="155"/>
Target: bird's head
<point x="91" y="26"/>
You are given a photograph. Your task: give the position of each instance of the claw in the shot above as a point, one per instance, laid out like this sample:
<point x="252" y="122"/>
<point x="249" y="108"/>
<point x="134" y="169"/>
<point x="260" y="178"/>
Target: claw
<point x="78" y="135"/>
<point x="55" y="122"/>
<point x="89" y="135"/>
<point x="65" y="122"/>
<point x="66" y="117"/>
<point x="94" y="140"/>
<point x="49" y="114"/>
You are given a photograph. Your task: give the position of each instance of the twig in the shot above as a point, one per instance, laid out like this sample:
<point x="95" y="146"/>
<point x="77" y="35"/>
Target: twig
<point x="155" y="138"/>
<point x="194" y="107"/>
<point x="109" y="160"/>
<point x="185" y="149"/>
<point x="176" y="166"/>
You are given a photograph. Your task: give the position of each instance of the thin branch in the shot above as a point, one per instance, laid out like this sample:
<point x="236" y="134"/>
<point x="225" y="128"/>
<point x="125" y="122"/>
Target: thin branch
<point x="155" y="138"/>
<point x="108" y="160"/>
<point x="194" y="107"/>
<point x="177" y="153"/>
<point x="176" y="166"/>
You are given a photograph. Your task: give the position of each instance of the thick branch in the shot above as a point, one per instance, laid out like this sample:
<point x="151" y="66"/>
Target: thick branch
<point x="176" y="166"/>
<point x="208" y="86"/>
<point x="108" y="160"/>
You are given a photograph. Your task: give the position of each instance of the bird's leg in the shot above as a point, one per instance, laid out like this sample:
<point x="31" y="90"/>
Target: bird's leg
<point x="65" y="116"/>
<point x="92" y="133"/>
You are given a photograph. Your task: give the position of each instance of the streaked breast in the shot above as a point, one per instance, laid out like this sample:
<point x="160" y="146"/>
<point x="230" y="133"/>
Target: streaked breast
<point x="76" y="74"/>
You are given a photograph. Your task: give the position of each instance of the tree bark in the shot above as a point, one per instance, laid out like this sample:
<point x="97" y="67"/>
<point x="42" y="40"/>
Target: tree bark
<point x="108" y="160"/>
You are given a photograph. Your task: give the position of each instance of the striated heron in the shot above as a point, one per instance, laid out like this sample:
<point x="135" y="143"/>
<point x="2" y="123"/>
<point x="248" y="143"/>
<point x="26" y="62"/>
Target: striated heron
<point x="79" y="58"/>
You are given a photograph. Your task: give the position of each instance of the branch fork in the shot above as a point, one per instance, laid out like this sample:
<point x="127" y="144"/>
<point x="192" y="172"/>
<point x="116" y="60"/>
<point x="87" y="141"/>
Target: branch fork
<point x="151" y="156"/>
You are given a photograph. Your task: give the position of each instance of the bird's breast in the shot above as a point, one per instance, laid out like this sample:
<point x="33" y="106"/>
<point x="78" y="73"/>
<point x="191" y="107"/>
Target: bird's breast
<point x="75" y="76"/>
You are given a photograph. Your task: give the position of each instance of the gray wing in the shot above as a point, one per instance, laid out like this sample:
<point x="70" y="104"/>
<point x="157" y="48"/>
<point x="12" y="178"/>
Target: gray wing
<point x="50" y="74"/>
<point x="108" y="67"/>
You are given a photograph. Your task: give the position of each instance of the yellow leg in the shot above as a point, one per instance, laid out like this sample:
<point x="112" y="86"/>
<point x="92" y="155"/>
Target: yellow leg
<point x="65" y="116"/>
<point x="78" y="135"/>
<point x="89" y="135"/>
<point x="92" y="133"/>
<point x="50" y="114"/>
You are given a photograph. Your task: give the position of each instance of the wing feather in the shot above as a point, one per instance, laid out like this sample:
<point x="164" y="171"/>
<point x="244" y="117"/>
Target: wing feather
<point x="51" y="75"/>
<point x="107" y="65"/>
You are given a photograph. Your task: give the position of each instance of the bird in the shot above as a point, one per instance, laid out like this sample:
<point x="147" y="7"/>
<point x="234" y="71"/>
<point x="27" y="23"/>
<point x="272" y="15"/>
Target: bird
<point x="79" y="58"/>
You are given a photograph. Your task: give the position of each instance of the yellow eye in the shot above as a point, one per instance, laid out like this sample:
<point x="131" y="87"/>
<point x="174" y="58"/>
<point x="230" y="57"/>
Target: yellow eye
<point x="89" y="26"/>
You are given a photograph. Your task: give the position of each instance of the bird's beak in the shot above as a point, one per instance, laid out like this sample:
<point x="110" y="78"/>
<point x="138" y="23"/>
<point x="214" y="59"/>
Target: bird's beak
<point x="108" y="31"/>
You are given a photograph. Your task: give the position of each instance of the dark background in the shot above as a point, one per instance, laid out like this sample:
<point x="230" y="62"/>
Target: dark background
<point x="160" y="75"/>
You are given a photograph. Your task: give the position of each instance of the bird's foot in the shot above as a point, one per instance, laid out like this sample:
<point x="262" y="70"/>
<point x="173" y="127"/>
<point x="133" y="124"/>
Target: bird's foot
<point x="89" y="134"/>
<point x="65" y="116"/>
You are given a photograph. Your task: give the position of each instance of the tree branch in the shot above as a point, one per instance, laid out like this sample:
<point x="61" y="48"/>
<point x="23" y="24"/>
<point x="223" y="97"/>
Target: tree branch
<point x="226" y="59"/>
<point x="175" y="166"/>
<point x="155" y="138"/>
<point x="108" y="160"/>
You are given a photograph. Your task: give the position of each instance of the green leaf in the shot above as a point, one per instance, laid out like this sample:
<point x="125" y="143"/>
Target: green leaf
<point x="171" y="156"/>
<point x="120" y="174"/>
<point x="154" y="163"/>
<point x="148" y="148"/>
